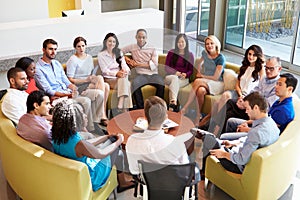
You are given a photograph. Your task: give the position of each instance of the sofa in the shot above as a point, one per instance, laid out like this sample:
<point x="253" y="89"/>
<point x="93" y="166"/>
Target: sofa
<point x="270" y="170"/>
<point x="35" y="173"/>
<point x="230" y="76"/>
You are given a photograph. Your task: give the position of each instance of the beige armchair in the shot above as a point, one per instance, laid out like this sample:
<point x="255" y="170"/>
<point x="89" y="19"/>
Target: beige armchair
<point x="270" y="170"/>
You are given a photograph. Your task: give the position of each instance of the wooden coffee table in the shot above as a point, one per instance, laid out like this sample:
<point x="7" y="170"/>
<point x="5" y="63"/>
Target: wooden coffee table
<point x="123" y="123"/>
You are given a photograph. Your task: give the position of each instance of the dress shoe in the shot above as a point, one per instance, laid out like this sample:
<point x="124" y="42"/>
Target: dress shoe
<point x="199" y="133"/>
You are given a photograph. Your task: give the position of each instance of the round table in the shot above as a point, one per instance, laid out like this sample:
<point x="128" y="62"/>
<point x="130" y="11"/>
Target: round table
<point x="123" y="123"/>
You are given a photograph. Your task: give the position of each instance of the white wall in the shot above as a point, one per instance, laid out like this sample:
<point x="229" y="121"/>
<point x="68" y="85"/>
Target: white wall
<point x="25" y="37"/>
<point x="90" y="7"/>
<point x="19" y="10"/>
<point x="150" y="4"/>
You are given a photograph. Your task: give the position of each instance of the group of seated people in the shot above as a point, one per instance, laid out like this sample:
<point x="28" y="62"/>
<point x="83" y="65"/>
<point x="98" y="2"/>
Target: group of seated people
<point x="250" y="117"/>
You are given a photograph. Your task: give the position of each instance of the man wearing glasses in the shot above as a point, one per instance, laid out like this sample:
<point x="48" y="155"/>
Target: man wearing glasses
<point x="266" y="88"/>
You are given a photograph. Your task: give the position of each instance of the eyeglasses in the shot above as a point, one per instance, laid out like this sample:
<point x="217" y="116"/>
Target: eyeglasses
<point x="269" y="68"/>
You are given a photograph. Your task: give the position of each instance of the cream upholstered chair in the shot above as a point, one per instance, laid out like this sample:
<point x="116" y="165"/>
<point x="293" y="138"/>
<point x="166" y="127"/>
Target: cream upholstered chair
<point x="270" y="170"/>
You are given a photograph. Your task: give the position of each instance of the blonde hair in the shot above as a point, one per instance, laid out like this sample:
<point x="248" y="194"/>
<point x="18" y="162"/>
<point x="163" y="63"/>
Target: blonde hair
<point x="216" y="41"/>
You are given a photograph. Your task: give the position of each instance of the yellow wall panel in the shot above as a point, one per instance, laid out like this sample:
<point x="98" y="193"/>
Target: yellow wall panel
<point x="57" y="6"/>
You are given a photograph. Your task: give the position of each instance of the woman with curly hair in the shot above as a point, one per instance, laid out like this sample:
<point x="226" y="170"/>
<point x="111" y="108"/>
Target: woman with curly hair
<point x="67" y="142"/>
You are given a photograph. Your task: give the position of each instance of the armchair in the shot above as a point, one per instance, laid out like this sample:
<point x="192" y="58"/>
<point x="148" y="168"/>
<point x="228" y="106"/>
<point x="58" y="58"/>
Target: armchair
<point x="270" y="170"/>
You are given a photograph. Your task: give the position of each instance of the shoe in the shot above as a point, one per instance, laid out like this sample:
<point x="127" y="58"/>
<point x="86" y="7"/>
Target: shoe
<point x="117" y="111"/>
<point x="122" y="189"/>
<point x="199" y="133"/>
<point x="104" y="122"/>
<point x="173" y="107"/>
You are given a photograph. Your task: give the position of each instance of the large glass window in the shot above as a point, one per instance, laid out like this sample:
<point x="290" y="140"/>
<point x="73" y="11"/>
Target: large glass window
<point x="204" y="17"/>
<point x="235" y="25"/>
<point x="296" y="57"/>
<point x="272" y="24"/>
<point x="191" y="17"/>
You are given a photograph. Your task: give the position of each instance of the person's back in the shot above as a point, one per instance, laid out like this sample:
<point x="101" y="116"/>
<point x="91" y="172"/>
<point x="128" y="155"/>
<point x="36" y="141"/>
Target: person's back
<point x="153" y="145"/>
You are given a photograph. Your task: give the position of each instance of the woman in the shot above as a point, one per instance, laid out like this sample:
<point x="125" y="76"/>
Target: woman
<point x="28" y="65"/>
<point x="115" y="70"/>
<point x="79" y="71"/>
<point x="179" y="67"/>
<point x="251" y="72"/>
<point x="68" y="143"/>
<point x="209" y="78"/>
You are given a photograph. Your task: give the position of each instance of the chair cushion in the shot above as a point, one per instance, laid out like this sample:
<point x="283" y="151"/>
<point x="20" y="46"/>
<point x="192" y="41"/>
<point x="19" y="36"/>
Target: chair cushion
<point x="230" y="78"/>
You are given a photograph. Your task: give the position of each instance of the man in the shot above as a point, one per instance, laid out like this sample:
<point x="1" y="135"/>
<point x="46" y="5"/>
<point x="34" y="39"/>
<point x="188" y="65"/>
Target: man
<point x="14" y="101"/>
<point x="266" y="87"/>
<point x="145" y="62"/>
<point x="264" y="132"/>
<point x="153" y="145"/>
<point x="282" y="111"/>
<point x="32" y="125"/>
<point x="53" y="80"/>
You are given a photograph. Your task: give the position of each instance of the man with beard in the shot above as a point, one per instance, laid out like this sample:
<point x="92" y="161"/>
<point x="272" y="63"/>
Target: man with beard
<point x="14" y="101"/>
<point x="54" y="82"/>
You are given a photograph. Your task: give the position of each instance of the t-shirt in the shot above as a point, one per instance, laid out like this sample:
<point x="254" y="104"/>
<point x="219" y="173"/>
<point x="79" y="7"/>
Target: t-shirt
<point x="209" y="65"/>
<point x="282" y="112"/>
<point x="99" y="169"/>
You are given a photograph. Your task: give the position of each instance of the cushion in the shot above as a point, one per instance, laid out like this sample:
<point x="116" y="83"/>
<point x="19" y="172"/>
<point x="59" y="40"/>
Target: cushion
<point x="230" y="78"/>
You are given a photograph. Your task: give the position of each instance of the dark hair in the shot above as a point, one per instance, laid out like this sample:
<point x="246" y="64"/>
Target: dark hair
<point x="116" y="50"/>
<point x="77" y="40"/>
<point x="186" y="55"/>
<point x="63" y="121"/>
<point x="290" y="80"/>
<point x="48" y="41"/>
<point x="155" y="110"/>
<point x="141" y="29"/>
<point x="24" y="63"/>
<point x="255" y="98"/>
<point x="12" y="72"/>
<point x="34" y="97"/>
<point x="258" y="63"/>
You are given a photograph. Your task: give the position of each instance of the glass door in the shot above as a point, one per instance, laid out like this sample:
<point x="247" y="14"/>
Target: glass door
<point x="235" y="22"/>
<point x="191" y="17"/>
<point x="203" y="21"/>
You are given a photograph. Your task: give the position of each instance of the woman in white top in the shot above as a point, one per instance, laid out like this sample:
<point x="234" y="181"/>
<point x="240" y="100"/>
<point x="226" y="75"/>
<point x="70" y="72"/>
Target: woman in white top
<point x="80" y="69"/>
<point x="115" y="70"/>
<point x="251" y="72"/>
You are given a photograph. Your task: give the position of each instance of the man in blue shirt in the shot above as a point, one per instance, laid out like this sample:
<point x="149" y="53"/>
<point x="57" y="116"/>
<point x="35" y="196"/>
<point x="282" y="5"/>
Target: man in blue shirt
<point x="264" y="132"/>
<point x="53" y="80"/>
<point x="282" y="111"/>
